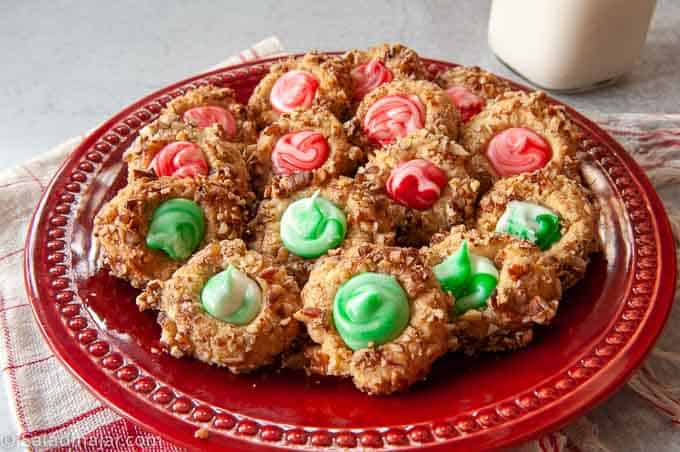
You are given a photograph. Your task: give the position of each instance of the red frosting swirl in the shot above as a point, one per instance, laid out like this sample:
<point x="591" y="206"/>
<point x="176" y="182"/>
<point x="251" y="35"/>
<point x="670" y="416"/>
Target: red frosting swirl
<point x="298" y="152"/>
<point x="207" y="116"/>
<point x="180" y="159"/>
<point x="393" y="117"/>
<point x="369" y="76"/>
<point x="517" y="150"/>
<point x="292" y="90"/>
<point x="416" y="184"/>
<point x="467" y="103"/>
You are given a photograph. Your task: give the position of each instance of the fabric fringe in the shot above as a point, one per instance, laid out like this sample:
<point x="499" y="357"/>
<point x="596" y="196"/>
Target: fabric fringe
<point x="583" y="436"/>
<point x="646" y="384"/>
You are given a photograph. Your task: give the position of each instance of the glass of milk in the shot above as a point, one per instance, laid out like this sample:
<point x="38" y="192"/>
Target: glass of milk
<point x="569" y="45"/>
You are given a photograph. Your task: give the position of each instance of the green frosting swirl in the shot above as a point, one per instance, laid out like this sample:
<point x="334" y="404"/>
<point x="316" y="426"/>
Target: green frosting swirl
<point x="232" y="297"/>
<point x="548" y="230"/>
<point x="312" y="226"/>
<point x="470" y="278"/>
<point x="530" y="222"/>
<point x="370" y="309"/>
<point x="177" y="228"/>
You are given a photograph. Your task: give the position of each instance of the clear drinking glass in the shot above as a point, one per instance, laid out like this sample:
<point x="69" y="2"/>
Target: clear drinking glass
<point x="569" y="45"/>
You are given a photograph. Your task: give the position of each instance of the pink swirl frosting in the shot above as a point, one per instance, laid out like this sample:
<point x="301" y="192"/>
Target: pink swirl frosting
<point x="517" y="150"/>
<point x="297" y="152"/>
<point x="292" y="90"/>
<point x="416" y="184"/>
<point x="467" y="103"/>
<point x="207" y="116"/>
<point x="180" y="159"/>
<point x="369" y="76"/>
<point x="393" y="117"/>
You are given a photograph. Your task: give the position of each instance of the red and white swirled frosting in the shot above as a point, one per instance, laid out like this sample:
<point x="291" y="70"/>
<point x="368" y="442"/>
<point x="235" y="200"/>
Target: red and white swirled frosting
<point x="298" y="152"/>
<point x="393" y="117"/>
<point x="517" y="150"/>
<point x="467" y="103"/>
<point x="180" y="159"/>
<point x="294" y="89"/>
<point x="416" y="184"/>
<point x="207" y="116"/>
<point x="369" y="76"/>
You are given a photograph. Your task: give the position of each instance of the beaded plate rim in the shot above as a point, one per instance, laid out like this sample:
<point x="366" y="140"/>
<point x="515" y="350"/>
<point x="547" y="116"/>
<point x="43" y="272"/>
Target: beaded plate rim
<point x="166" y="411"/>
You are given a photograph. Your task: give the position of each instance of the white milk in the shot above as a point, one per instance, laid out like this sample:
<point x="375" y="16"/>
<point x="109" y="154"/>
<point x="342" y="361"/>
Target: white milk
<point x="569" y="44"/>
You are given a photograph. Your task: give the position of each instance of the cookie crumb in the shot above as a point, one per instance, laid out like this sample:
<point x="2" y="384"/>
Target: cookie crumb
<point x="201" y="433"/>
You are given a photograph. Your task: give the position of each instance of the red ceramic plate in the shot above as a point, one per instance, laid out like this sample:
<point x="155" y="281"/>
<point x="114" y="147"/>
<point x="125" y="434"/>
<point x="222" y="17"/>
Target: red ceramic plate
<point x="605" y="327"/>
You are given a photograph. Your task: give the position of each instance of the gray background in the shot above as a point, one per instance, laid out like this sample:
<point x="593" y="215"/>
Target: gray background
<point x="65" y="66"/>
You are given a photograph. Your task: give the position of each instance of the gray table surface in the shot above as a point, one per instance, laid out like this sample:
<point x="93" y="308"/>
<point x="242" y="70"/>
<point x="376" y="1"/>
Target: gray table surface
<point x="65" y="66"/>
